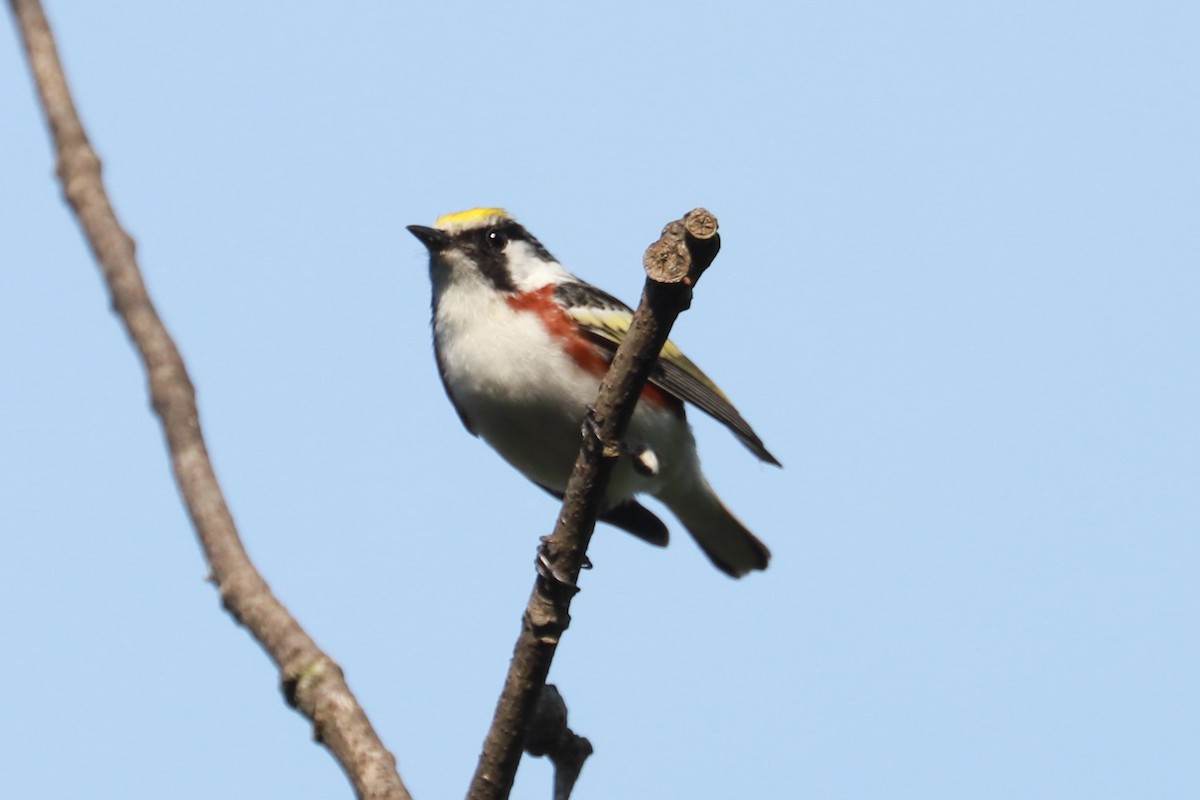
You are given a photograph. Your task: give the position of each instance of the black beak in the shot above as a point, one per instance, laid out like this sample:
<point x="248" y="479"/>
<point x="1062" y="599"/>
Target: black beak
<point x="432" y="238"/>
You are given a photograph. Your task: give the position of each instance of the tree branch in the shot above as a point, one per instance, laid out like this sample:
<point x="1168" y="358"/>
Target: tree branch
<point x="548" y="735"/>
<point x="673" y="265"/>
<point x="311" y="681"/>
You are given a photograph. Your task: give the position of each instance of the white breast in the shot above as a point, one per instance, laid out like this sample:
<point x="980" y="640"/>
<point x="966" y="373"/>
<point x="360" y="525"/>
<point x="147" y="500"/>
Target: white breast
<point x="526" y="398"/>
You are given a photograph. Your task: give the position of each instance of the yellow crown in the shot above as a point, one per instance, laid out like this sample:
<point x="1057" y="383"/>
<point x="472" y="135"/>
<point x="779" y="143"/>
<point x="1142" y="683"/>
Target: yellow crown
<point x="473" y="218"/>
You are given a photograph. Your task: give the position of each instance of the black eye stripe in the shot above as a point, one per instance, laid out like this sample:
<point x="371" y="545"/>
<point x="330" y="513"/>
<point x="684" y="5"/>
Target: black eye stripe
<point x="496" y="239"/>
<point x="506" y="231"/>
<point x="488" y="248"/>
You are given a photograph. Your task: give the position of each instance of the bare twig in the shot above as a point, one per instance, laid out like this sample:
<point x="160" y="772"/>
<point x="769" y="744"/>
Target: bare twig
<point x="312" y="682"/>
<point x="673" y="264"/>
<point x="548" y="735"/>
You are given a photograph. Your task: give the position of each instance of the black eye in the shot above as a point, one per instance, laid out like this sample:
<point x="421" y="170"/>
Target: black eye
<point x="496" y="239"/>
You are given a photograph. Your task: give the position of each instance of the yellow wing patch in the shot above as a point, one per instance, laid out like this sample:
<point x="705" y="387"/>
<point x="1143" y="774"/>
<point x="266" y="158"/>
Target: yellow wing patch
<point x="612" y="324"/>
<point x="472" y="218"/>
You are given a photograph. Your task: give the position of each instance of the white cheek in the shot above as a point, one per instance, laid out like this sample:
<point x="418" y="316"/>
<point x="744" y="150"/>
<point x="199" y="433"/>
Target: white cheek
<point x="529" y="271"/>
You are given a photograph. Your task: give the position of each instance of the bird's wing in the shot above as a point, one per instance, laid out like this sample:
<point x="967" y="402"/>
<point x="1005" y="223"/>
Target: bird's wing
<point x="605" y="319"/>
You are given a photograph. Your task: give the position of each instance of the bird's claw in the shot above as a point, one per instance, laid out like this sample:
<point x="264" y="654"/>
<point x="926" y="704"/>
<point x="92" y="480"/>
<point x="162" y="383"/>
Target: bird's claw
<point x="591" y="426"/>
<point x="549" y="573"/>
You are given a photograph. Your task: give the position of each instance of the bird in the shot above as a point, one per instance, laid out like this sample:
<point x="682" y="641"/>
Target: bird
<point x="521" y="345"/>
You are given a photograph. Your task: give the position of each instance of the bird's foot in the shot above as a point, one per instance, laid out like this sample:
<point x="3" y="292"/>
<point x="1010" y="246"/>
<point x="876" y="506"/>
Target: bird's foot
<point x="551" y="573"/>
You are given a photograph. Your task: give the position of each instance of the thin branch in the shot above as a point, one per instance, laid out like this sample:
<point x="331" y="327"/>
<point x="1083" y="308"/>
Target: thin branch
<point x="673" y="264"/>
<point x="312" y="682"/>
<point x="548" y="735"/>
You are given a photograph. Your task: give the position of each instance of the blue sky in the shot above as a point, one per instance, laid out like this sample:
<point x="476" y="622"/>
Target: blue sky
<point x="957" y="297"/>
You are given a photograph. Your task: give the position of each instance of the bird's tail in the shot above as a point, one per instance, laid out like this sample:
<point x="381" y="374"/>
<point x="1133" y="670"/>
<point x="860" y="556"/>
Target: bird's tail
<point x="733" y="549"/>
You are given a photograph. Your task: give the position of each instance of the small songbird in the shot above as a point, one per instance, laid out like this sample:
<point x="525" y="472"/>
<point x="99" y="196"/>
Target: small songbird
<point x="521" y="345"/>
